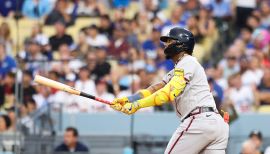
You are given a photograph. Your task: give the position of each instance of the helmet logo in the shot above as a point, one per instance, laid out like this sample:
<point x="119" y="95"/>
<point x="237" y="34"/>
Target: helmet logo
<point x="184" y="36"/>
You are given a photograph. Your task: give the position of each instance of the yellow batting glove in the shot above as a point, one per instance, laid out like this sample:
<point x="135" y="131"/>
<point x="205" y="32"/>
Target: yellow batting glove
<point x="118" y="103"/>
<point x="130" y="108"/>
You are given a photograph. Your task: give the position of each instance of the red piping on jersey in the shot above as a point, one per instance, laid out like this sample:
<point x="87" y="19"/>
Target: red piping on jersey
<point x="187" y="80"/>
<point x="177" y="108"/>
<point x="182" y="133"/>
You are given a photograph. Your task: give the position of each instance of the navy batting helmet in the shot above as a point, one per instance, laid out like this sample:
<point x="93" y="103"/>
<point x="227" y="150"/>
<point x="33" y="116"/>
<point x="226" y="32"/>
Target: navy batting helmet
<point x="184" y="41"/>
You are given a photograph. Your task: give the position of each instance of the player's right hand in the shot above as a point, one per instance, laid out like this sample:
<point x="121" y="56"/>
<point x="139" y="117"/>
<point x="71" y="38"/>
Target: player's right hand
<point x="118" y="103"/>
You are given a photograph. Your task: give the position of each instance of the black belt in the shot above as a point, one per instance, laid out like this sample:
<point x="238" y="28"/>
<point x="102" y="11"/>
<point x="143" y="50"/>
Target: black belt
<point x="200" y="110"/>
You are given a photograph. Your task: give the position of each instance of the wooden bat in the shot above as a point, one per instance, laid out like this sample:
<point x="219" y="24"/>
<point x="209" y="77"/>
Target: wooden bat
<point x="60" y="86"/>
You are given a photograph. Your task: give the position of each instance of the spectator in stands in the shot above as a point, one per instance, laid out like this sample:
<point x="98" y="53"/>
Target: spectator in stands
<point x="68" y="63"/>
<point x="151" y="9"/>
<point x="265" y="12"/>
<point x="254" y="74"/>
<point x="33" y="56"/>
<point x="142" y="25"/>
<point x="245" y="35"/>
<point x="131" y="36"/>
<point x="176" y="19"/>
<point x="42" y="97"/>
<point x="230" y="64"/>
<point x="5" y="37"/>
<point x="256" y="137"/>
<point x="263" y="90"/>
<point x="36" y="8"/>
<point x="121" y="3"/>
<point x="82" y="46"/>
<point x="193" y="26"/>
<point x="91" y="61"/>
<point x="60" y="37"/>
<point x="5" y="123"/>
<point x="101" y="91"/>
<point x="241" y="96"/>
<point x="253" y="21"/>
<point x="85" y="84"/>
<point x="71" y="143"/>
<point x="9" y="90"/>
<point x="248" y="147"/>
<point x="106" y="25"/>
<point x="26" y="110"/>
<point x="8" y="7"/>
<point x="151" y="45"/>
<point x="91" y="8"/>
<point x="7" y="63"/>
<point x="28" y="88"/>
<point x="60" y="13"/>
<point x="31" y="106"/>
<point x="118" y="44"/>
<point x="221" y="9"/>
<point x="207" y="29"/>
<point x="102" y="68"/>
<point x="94" y="38"/>
<point x="266" y="58"/>
<point x="136" y="61"/>
<point x="243" y="11"/>
<point x="38" y="35"/>
<point x="12" y="116"/>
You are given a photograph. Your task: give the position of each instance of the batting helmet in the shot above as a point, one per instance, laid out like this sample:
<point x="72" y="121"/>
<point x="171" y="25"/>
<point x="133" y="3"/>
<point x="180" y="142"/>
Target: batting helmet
<point x="184" y="42"/>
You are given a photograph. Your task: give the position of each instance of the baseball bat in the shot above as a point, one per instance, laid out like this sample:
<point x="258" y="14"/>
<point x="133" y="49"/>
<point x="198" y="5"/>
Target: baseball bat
<point x="60" y="86"/>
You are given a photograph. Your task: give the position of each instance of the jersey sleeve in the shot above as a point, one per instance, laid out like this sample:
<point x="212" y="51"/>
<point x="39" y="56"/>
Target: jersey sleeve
<point x="188" y="64"/>
<point x="167" y="77"/>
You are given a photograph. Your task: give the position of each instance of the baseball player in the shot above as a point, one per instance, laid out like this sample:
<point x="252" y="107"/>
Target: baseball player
<point x="202" y="129"/>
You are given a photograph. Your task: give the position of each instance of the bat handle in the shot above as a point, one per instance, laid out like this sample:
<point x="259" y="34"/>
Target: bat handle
<point x="95" y="98"/>
<point x="103" y="101"/>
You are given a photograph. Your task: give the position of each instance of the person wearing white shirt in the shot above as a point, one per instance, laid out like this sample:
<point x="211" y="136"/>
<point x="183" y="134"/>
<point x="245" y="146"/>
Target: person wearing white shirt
<point x="84" y="84"/>
<point x="94" y="38"/>
<point x="241" y="96"/>
<point x="101" y="92"/>
<point x="254" y="74"/>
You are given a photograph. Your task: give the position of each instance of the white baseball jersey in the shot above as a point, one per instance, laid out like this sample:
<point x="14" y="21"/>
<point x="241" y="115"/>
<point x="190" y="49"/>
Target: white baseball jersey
<point x="197" y="91"/>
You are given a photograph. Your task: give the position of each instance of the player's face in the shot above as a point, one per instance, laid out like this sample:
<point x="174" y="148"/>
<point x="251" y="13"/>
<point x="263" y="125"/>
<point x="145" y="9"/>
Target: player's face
<point x="169" y="41"/>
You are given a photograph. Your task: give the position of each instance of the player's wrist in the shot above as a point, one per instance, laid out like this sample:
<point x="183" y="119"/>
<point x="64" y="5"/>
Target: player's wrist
<point x="136" y="105"/>
<point x="134" y="97"/>
<point x="139" y="95"/>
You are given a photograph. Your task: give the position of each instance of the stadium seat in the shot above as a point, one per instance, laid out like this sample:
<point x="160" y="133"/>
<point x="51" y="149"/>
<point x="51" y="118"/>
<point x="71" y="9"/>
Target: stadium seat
<point x="85" y="22"/>
<point x="264" y="109"/>
<point x="131" y="10"/>
<point x="48" y="30"/>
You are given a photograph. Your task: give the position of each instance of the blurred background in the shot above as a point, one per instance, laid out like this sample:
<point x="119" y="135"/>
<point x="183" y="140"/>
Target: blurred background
<point x="111" y="48"/>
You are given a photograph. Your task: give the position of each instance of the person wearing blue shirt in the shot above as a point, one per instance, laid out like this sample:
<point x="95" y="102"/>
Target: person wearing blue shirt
<point x="36" y="8"/>
<point x="121" y="3"/>
<point x="177" y="20"/>
<point x="151" y="45"/>
<point x="8" y="7"/>
<point x="71" y="143"/>
<point x="7" y="63"/>
<point x="221" y="8"/>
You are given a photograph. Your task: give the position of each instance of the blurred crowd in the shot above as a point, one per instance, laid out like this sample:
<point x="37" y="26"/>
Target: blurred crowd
<point x="121" y="53"/>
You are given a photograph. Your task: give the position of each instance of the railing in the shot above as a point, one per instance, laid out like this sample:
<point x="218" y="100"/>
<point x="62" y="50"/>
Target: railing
<point x="109" y="133"/>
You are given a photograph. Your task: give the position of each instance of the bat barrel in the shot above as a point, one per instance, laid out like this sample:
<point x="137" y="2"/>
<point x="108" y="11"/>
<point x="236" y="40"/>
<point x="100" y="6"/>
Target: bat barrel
<point x="57" y="85"/>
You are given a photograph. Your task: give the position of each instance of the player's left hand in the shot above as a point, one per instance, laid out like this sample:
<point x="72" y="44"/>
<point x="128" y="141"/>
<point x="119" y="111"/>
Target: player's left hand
<point x="130" y="108"/>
